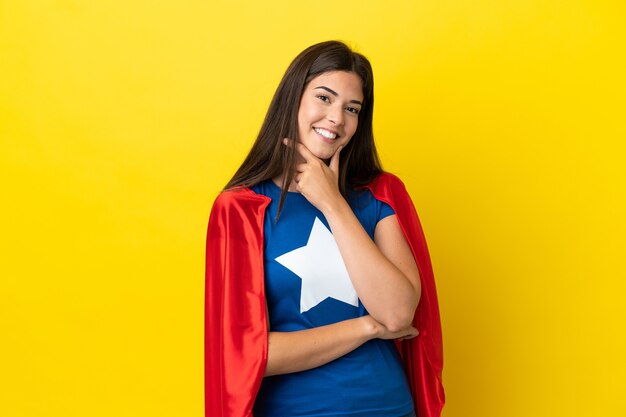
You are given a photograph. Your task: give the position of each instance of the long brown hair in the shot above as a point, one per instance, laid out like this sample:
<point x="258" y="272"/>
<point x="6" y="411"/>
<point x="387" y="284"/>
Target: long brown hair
<point x="359" y="163"/>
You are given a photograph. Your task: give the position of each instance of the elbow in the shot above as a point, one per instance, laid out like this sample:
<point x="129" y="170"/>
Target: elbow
<point x="397" y="325"/>
<point x="402" y="316"/>
<point x="400" y="320"/>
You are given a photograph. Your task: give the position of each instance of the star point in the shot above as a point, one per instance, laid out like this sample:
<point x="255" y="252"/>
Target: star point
<point x="321" y="268"/>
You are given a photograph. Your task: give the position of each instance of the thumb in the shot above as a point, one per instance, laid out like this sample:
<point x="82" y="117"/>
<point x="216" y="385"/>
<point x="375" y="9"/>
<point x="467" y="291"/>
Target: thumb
<point x="334" y="161"/>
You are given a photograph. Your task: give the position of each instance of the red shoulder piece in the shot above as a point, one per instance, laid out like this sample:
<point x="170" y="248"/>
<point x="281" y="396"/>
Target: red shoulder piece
<point x="235" y="312"/>
<point x="423" y="355"/>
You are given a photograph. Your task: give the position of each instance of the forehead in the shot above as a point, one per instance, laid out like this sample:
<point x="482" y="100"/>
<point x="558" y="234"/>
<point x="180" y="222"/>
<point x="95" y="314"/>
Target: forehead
<point x="345" y="83"/>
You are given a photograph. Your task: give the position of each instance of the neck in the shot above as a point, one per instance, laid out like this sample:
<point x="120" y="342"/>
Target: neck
<point x="278" y="180"/>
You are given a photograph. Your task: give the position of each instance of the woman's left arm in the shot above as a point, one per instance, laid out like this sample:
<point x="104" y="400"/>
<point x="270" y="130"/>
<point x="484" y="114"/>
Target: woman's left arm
<point x="383" y="271"/>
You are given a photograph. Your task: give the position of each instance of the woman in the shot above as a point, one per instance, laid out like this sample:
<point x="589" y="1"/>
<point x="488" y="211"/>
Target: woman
<point x="316" y="263"/>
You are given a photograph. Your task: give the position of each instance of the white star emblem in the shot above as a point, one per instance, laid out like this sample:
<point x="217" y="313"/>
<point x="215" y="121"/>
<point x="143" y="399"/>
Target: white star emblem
<point x="321" y="268"/>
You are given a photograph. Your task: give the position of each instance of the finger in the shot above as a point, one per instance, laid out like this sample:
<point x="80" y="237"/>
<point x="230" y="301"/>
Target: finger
<point x="301" y="167"/>
<point x="334" y="161"/>
<point x="413" y="332"/>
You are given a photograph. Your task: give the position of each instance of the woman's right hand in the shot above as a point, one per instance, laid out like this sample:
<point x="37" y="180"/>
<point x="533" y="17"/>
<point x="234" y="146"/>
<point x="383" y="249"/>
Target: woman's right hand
<point x="378" y="331"/>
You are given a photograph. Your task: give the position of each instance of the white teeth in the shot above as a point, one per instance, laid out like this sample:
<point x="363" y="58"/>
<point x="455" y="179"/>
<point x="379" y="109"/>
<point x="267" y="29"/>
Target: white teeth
<point x="326" y="133"/>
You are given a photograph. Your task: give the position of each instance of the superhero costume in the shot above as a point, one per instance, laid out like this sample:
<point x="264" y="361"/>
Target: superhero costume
<point x="235" y="310"/>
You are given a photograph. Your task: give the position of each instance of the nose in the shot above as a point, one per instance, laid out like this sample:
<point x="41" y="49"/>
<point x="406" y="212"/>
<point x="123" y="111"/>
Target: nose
<point x="335" y="115"/>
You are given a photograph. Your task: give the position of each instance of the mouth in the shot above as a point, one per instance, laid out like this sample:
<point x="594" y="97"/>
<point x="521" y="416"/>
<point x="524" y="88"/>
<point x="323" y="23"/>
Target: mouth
<point x="326" y="134"/>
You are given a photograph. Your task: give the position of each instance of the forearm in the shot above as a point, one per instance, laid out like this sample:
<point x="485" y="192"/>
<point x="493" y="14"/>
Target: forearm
<point x="306" y="349"/>
<point x="385" y="291"/>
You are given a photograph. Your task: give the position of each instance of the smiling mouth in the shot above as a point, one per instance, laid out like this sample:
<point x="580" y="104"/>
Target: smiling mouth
<point x="325" y="133"/>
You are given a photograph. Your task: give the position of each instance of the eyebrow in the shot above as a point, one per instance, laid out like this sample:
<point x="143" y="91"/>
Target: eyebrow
<point x="334" y="93"/>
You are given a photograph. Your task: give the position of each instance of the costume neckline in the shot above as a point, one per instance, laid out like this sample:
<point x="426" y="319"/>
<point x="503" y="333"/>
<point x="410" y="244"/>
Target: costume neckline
<point x="276" y="186"/>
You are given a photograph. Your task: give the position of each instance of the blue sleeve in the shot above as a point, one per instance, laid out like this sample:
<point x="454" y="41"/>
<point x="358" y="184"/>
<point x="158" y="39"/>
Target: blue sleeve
<point x="383" y="210"/>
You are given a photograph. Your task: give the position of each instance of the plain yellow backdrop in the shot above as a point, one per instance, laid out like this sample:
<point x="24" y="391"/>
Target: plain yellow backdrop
<point x="121" y="120"/>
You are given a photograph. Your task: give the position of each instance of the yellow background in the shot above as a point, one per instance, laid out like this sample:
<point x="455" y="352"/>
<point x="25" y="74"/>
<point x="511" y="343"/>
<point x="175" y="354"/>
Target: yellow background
<point x="120" y="121"/>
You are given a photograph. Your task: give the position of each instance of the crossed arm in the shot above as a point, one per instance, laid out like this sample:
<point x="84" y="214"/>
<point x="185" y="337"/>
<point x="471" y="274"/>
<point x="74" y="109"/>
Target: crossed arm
<point x="382" y="265"/>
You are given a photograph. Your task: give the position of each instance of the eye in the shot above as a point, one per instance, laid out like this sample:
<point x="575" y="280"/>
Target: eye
<point x="324" y="98"/>
<point x="353" y="110"/>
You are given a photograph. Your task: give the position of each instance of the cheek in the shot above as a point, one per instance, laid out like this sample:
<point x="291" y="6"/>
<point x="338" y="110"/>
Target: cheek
<point x="309" y="114"/>
<point x="353" y="127"/>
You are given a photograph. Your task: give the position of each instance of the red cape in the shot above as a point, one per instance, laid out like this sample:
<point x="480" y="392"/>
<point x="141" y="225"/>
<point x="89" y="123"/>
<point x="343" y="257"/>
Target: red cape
<point x="235" y="311"/>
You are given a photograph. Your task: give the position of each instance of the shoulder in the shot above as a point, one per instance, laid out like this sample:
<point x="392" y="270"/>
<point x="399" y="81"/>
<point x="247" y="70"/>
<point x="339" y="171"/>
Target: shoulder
<point x="386" y="182"/>
<point x="238" y="198"/>
<point x="234" y="209"/>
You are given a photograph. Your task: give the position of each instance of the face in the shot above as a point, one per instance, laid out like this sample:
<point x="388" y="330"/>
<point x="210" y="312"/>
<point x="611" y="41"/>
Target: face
<point x="329" y="112"/>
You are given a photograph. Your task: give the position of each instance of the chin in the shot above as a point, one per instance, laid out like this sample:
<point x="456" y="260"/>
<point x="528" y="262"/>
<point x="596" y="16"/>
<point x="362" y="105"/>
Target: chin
<point x="325" y="155"/>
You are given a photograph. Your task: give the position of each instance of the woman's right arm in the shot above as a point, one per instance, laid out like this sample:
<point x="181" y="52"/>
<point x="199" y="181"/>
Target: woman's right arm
<point x="306" y="349"/>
